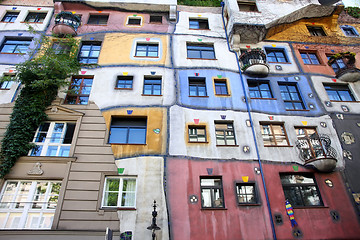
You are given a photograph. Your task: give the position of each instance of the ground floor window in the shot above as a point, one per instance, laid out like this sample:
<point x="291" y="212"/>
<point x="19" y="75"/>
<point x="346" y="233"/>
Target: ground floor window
<point x="211" y="193"/>
<point x="119" y="192"/>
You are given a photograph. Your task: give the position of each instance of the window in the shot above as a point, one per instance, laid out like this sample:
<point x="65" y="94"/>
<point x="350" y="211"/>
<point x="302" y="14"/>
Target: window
<point x="301" y="190"/>
<point x="246" y="193"/>
<point x="28" y="204"/>
<point x="200" y="51"/>
<point x="310" y="143"/>
<point x="53" y="139"/>
<point x="316" y="31"/>
<point x="349" y="31"/>
<point x="128" y="130"/>
<point x="247" y="6"/>
<point x="136" y="21"/>
<point x="276" y="55"/>
<point x="152" y="86"/>
<point x="155" y="19"/>
<point x="211" y="193"/>
<point x="5" y="85"/>
<point x="197" y="87"/>
<point x="221" y="87"/>
<point x="119" y="192"/>
<point x="195" y="23"/>
<point x="147" y="50"/>
<point x="79" y="90"/>
<point x="337" y="64"/>
<point x="274" y="134"/>
<point x="225" y="135"/>
<point x="98" y="19"/>
<point x="259" y="89"/>
<point x="35" y="17"/>
<point x="197" y="134"/>
<point x="339" y="92"/>
<point x="10" y="17"/>
<point x="309" y="58"/>
<point x="61" y="48"/>
<point x="15" y="45"/>
<point x="291" y="96"/>
<point x="89" y="53"/>
<point x="124" y="82"/>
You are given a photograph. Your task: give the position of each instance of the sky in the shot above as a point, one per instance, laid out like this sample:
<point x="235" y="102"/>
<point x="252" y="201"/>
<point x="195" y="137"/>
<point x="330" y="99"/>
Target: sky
<point x="352" y="3"/>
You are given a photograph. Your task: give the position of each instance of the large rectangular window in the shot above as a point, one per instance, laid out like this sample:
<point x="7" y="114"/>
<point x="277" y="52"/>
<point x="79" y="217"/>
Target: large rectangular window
<point x="15" y="45"/>
<point x="27" y="204"/>
<point x="259" y="89"/>
<point x="89" y="53"/>
<point x="212" y="195"/>
<point x="276" y="55"/>
<point x="35" y="17"/>
<point x="147" y="50"/>
<point x="274" y="134"/>
<point x="119" y="192"/>
<point x="225" y="134"/>
<point x="301" y="190"/>
<point x="339" y="92"/>
<point x="310" y="58"/>
<point x="10" y="17"/>
<point x="200" y="51"/>
<point x="79" y="90"/>
<point x="98" y="19"/>
<point x="53" y="139"/>
<point x="128" y="130"/>
<point x="291" y="96"/>
<point x="197" y="87"/>
<point x="152" y="86"/>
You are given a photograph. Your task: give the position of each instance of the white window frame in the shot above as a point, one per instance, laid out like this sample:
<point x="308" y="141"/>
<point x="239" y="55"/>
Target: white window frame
<point x="134" y="17"/>
<point x="47" y="142"/>
<point x="27" y="210"/>
<point x="120" y="192"/>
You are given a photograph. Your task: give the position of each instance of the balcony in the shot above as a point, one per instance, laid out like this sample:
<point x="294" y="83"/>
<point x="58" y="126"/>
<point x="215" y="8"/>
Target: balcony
<point x="253" y="63"/>
<point x="344" y="66"/>
<point x="317" y="153"/>
<point x="66" y="23"/>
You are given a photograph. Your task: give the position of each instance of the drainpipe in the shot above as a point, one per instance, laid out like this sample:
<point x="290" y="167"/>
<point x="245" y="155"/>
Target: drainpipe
<point x="251" y="122"/>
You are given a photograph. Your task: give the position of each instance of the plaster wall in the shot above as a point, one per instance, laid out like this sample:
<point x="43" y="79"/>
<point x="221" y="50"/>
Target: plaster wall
<point x="181" y="118"/>
<point x="45" y="3"/>
<point x="7" y="95"/>
<point x="23" y="11"/>
<point x="149" y="172"/>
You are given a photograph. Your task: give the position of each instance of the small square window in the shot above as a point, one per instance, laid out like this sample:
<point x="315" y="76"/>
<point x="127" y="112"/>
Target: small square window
<point x="152" y="86"/>
<point x="147" y="50"/>
<point x="225" y="134"/>
<point x="200" y="51"/>
<point x="35" y="17"/>
<point x="98" y="19"/>
<point x="197" y="87"/>
<point x="316" y="31"/>
<point x="197" y="134"/>
<point x="221" y="87"/>
<point x="339" y="92"/>
<point x="246" y="193"/>
<point x="349" y="31"/>
<point x="125" y="130"/>
<point x="17" y="46"/>
<point x="155" y="19"/>
<point x="276" y="55"/>
<point x="195" y="23"/>
<point x="212" y="195"/>
<point x="135" y="21"/>
<point x="119" y="192"/>
<point x="10" y="17"/>
<point x="6" y="85"/>
<point x="247" y="6"/>
<point x="124" y="82"/>
<point x="259" y="89"/>
<point x="274" y="134"/>
<point x="89" y="52"/>
<point x="310" y="58"/>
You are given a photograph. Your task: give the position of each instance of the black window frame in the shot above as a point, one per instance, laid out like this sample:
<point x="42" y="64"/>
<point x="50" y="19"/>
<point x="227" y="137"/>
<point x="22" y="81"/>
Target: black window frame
<point x="226" y="135"/>
<point x="134" y="21"/>
<point x="39" y="17"/>
<point x="147" y="49"/>
<point x="9" y="14"/>
<point x="252" y="84"/>
<point x="339" y="88"/>
<point x="93" y="48"/>
<point x="294" y="102"/>
<point x="271" y="53"/>
<point x="214" y="204"/>
<point x="195" y="135"/>
<point x="200" y="50"/>
<point x="21" y="42"/>
<point x="198" y="24"/>
<point x="221" y="84"/>
<point x="129" y="123"/>
<point x="316" y="31"/>
<point x="76" y="91"/>
<point x="124" y="81"/>
<point x="197" y="83"/>
<point x="153" y="82"/>
<point x="300" y="189"/>
<point x="246" y="194"/>
<point x="155" y="19"/>
<point x="98" y="19"/>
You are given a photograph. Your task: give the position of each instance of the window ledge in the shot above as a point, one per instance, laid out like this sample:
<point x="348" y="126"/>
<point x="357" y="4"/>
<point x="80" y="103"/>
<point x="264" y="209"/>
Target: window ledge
<point x="118" y="208"/>
<point x="207" y="29"/>
<point x="199" y="142"/>
<point x="249" y="204"/>
<point x="144" y="57"/>
<point x="280" y="62"/>
<point x="136" y="144"/>
<point x="202" y="58"/>
<point x="309" y="207"/>
<point x="13" y="53"/>
<point x="211" y="209"/>
<point x="151" y="95"/>
<point x="6" y="22"/>
<point x="265" y="98"/>
<point x="33" y="22"/>
<point x="4" y="88"/>
<point x="278" y="146"/>
<point x="199" y="96"/>
<point x="123" y="88"/>
<point x="345" y="101"/>
<point x="96" y="24"/>
<point x="223" y="95"/>
<point x="227" y="145"/>
<point x="34" y="159"/>
<point x="299" y="110"/>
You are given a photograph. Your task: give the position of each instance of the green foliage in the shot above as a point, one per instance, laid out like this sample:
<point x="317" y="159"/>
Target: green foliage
<point x="348" y="55"/>
<point x="202" y="3"/>
<point x="353" y="11"/>
<point x="41" y="78"/>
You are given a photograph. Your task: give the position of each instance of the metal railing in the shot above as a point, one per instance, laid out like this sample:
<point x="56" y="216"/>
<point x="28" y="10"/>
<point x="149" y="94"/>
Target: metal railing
<point x="69" y="19"/>
<point x="252" y="57"/>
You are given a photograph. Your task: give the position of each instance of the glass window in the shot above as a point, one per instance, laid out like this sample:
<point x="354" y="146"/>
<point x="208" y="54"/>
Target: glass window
<point x="276" y="55"/>
<point x="89" y="53"/>
<point x="274" y="134"/>
<point x="134" y="21"/>
<point x="316" y="31"/>
<point x="119" y="192"/>
<point x="15" y="45"/>
<point x="53" y="139"/>
<point x="211" y="193"/>
<point x="301" y="190"/>
<point x="79" y="90"/>
<point x="349" y="31"/>
<point x="195" y="23"/>
<point x="35" y="17"/>
<point x="200" y="51"/>
<point x="339" y="92"/>
<point x="337" y="64"/>
<point x="124" y="82"/>
<point x="246" y="6"/>
<point x="259" y="89"/>
<point x="220" y="87"/>
<point x="98" y="19"/>
<point x="197" y="87"/>
<point x="28" y="204"/>
<point x="309" y="58"/>
<point x="5" y="85"/>
<point x="155" y="19"/>
<point x="147" y="50"/>
<point x="225" y="134"/>
<point x="61" y="48"/>
<point x="291" y="96"/>
<point x="197" y="134"/>
<point x="10" y="17"/>
<point x="309" y="143"/>
<point x="152" y="86"/>
<point x="246" y="193"/>
<point x="128" y="131"/>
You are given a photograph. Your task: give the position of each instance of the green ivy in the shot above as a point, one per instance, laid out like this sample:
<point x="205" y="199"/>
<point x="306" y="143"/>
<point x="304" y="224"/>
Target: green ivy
<point x="353" y="11"/>
<point x="41" y="78"/>
<point x="202" y="3"/>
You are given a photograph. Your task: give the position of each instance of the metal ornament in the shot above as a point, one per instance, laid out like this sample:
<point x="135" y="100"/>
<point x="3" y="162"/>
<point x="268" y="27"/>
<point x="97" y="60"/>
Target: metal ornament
<point x="347" y="138"/>
<point x="323" y="124"/>
<point x="193" y="199"/>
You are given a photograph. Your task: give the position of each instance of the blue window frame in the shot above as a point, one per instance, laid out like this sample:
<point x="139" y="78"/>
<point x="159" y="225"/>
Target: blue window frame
<point x="147" y="50"/>
<point x="10" y="17"/>
<point x="276" y="55"/>
<point x="200" y="51"/>
<point x="15" y="45"/>
<point x="152" y="86"/>
<point x="124" y="82"/>
<point x="197" y="87"/>
<point x="259" y="89"/>
<point x="349" y="31"/>
<point x="128" y="130"/>
<point x="89" y="53"/>
<point x="291" y="96"/>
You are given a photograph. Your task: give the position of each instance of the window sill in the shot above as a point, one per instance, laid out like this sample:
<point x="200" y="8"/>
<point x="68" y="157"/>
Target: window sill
<point x="309" y="64"/>
<point x="280" y="62"/>
<point x="202" y="58"/>
<point x="278" y="146"/>
<point x="227" y="145"/>
<point x="136" y="144"/>
<point x="13" y="53"/>
<point x="223" y="95"/>
<point x="5" y="89"/>
<point x="200" y="96"/>
<point x="211" y="209"/>
<point x="299" y="110"/>
<point x="6" y="22"/>
<point x="33" y="22"/>
<point x="130" y="25"/>
<point x="145" y="57"/>
<point x="151" y="95"/>
<point x="345" y="101"/>
<point x="207" y="29"/>
<point x="309" y="207"/>
<point x="123" y="88"/>
<point x="118" y="208"/>
<point x="249" y="204"/>
<point x="96" y="24"/>
<point x="265" y="98"/>
<point x="198" y="142"/>
<point x="34" y="159"/>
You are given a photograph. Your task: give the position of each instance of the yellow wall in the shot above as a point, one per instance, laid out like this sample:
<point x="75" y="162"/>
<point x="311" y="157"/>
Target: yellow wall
<point x="155" y="143"/>
<point x="117" y="48"/>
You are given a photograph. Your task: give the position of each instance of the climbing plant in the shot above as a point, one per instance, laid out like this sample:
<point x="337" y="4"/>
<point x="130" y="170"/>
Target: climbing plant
<point x="353" y="11"/>
<point x="202" y="3"/>
<point x="40" y="78"/>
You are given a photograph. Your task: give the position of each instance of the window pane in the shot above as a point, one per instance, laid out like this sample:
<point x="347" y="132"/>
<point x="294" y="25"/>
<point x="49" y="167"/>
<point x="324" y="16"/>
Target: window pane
<point x="206" y="197"/>
<point x="137" y="136"/>
<point x="118" y="135"/>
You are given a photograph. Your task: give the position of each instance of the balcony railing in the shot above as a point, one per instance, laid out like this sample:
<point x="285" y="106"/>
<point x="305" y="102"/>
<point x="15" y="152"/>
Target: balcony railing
<point x="344" y="66"/>
<point x="316" y="151"/>
<point x="253" y="62"/>
<point x="66" y="23"/>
